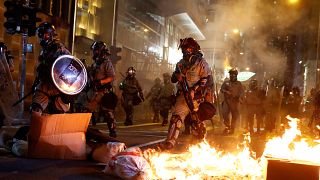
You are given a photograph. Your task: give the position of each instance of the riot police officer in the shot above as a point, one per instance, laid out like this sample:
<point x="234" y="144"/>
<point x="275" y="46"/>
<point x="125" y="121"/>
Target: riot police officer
<point x="191" y="73"/>
<point x="154" y="99"/>
<point x="166" y="97"/>
<point x="254" y="98"/>
<point x="131" y="94"/>
<point x="47" y="98"/>
<point x="8" y="56"/>
<point x="273" y="101"/>
<point x="101" y="76"/>
<point x="233" y="93"/>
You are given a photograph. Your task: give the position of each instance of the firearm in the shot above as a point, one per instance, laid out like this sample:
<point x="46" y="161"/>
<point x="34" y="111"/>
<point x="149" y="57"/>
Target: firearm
<point x="186" y="90"/>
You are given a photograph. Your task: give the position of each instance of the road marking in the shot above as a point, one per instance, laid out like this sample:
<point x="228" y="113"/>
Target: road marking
<point x="150" y="143"/>
<point x="138" y="125"/>
<point x="135" y="125"/>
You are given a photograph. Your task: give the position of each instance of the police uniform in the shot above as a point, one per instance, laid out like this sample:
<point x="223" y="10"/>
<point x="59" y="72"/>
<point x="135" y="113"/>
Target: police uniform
<point x="47" y="97"/>
<point x="272" y="104"/>
<point x="166" y="96"/>
<point x="233" y="93"/>
<point x="254" y="101"/>
<point x="154" y="100"/>
<point x="294" y="103"/>
<point x="103" y="100"/>
<point x="197" y="71"/>
<point x="131" y="95"/>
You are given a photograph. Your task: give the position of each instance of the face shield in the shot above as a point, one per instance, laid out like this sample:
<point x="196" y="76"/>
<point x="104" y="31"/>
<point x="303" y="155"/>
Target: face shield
<point x="131" y="72"/>
<point x="233" y="77"/>
<point x="45" y="39"/>
<point x="253" y="85"/>
<point x="95" y="54"/>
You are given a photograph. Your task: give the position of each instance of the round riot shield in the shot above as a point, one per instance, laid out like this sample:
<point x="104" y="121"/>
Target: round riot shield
<point x="69" y="74"/>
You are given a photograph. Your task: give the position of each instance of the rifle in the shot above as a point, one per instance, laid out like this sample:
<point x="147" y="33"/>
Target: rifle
<point x="187" y="96"/>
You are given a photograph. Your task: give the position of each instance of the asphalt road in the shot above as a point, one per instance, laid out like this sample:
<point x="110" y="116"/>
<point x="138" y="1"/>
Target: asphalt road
<point x="12" y="167"/>
<point x="142" y="135"/>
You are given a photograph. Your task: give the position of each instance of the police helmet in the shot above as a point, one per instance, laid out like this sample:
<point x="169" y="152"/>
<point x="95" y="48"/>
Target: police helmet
<point x="253" y="83"/>
<point x="3" y="46"/>
<point x="131" y="71"/>
<point x="157" y="80"/>
<point x="4" y="49"/>
<point x="189" y="43"/>
<point x="99" y="49"/>
<point x="233" y="71"/>
<point x="46" y="33"/>
<point x="166" y="75"/>
<point x="296" y="90"/>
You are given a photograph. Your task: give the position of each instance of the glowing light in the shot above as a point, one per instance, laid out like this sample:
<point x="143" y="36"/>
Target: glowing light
<point x="247" y="68"/>
<point x="300" y="62"/>
<point x="244" y="76"/>
<point x="293" y="1"/>
<point x="235" y="31"/>
<point x="241" y="53"/>
<point x="318" y="69"/>
<point x="146" y="30"/>
<point x="81" y="26"/>
<point x="174" y="55"/>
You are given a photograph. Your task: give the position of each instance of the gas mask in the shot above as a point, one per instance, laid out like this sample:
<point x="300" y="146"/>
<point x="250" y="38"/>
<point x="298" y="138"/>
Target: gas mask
<point x="233" y="77"/>
<point x="96" y="57"/>
<point x="187" y="52"/>
<point x="46" y="40"/>
<point x="131" y="72"/>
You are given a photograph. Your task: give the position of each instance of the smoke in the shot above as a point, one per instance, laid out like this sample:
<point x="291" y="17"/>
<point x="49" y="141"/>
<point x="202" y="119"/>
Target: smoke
<point x="261" y="24"/>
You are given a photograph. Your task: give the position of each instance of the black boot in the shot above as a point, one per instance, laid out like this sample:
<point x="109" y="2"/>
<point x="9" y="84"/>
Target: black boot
<point x="164" y="122"/>
<point x="128" y="123"/>
<point x="113" y="134"/>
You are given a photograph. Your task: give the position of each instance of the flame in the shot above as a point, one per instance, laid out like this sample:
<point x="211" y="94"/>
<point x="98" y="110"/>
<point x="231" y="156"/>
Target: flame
<point x="288" y="147"/>
<point x="202" y="161"/>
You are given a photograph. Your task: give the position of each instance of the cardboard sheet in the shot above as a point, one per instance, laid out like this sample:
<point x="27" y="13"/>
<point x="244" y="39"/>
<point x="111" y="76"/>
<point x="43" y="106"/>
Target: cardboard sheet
<point x="58" y="136"/>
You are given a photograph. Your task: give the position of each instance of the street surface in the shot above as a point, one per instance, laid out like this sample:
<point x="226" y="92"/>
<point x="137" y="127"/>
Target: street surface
<point x="143" y="135"/>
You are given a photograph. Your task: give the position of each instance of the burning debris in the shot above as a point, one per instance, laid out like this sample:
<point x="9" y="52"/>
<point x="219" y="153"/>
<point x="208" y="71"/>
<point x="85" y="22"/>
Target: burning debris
<point x="202" y="161"/>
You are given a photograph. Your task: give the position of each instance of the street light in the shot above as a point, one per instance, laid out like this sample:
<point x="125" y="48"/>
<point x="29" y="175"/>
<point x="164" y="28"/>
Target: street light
<point x="293" y="1"/>
<point x="235" y="31"/>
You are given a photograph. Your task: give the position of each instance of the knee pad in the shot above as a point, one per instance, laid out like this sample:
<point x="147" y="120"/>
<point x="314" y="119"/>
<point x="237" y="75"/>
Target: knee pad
<point x="175" y="119"/>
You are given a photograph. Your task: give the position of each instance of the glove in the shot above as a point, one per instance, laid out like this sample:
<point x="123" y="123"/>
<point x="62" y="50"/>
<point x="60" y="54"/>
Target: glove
<point x="142" y="98"/>
<point x="68" y="98"/>
<point x="121" y="86"/>
<point x="176" y="76"/>
<point x="95" y="84"/>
